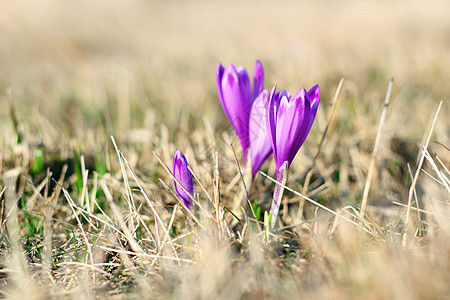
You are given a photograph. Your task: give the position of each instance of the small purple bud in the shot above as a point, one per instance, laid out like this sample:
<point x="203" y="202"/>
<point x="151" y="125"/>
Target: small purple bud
<point x="184" y="176"/>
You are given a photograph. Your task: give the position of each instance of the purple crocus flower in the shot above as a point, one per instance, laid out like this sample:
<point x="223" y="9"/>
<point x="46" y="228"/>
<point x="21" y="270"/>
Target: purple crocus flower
<point x="260" y="143"/>
<point x="184" y="176"/>
<point x="289" y="120"/>
<point x="236" y="96"/>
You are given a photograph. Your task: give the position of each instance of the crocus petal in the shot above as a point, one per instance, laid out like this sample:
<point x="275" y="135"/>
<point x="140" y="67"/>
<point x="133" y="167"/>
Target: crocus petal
<point x="237" y="95"/>
<point x="271" y="118"/>
<point x="290" y="124"/>
<point x="184" y="176"/>
<point x="283" y="93"/>
<point x="304" y="107"/>
<point x="260" y="143"/>
<point x="219" y="75"/>
<point x="281" y="141"/>
<point x="314" y="94"/>
<point x="258" y="79"/>
<point x="314" y="98"/>
<point x="237" y="100"/>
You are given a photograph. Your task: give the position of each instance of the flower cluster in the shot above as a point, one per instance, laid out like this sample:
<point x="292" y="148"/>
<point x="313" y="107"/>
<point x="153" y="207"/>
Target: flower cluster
<point x="264" y="122"/>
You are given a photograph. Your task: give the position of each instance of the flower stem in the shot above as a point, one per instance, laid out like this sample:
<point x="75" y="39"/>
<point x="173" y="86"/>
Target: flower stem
<point x="278" y="193"/>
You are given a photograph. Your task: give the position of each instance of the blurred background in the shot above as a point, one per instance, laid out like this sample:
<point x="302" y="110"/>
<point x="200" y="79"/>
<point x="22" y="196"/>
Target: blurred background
<point x="164" y="53"/>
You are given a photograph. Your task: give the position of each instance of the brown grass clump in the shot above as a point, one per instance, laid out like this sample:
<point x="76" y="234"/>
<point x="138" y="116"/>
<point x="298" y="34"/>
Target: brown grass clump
<point x="97" y="98"/>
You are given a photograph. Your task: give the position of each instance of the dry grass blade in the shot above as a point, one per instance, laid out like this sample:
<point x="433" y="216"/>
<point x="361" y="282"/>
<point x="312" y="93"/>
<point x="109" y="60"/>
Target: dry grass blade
<point x="59" y="184"/>
<point x="443" y="167"/>
<point x="413" y="208"/>
<point x="109" y="225"/>
<point x="166" y="237"/>
<point x="201" y="185"/>
<point x="80" y="210"/>
<point x="416" y="175"/>
<point x="88" y="245"/>
<point x="324" y="134"/>
<point x="129" y="197"/>
<point x="220" y="212"/>
<point x="442" y="179"/>
<point x="135" y="210"/>
<point x="122" y="160"/>
<point x="146" y="255"/>
<point x="38" y="189"/>
<point x="375" y="147"/>
<point x="217" y="205"/>
<point x="415" y="196"/>
<point x="93" y="267"/>
<point x="126" y="231"/>
<point x="166" y="168"/>
<point x="12" y="113"/>
<point x="316" y="203"/>
<point x="10" y="212"/>
<point x="240" y="171"/>
<point x="186" y="210"/>
<point x="246" y="191"/>
<point x="194" y="200"/>
<point x="2" y="208"/>
<point x="84" y="193"/>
